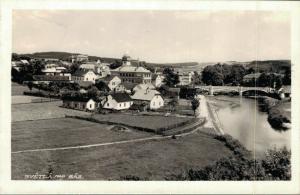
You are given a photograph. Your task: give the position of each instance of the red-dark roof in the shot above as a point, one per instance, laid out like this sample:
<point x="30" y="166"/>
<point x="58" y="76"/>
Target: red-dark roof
<point x="121" y="97"/>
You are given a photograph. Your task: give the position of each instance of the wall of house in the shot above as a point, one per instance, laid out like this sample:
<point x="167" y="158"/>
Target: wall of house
<point x="91" y="105"/>
<point x="156" y="102"/>
<point x="114" y="83"/>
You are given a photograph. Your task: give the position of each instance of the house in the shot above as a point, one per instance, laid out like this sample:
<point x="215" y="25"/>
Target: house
<point x="111" y="81"/>
<point x="143" y="87"/>
<point x="53" y="69"/>
<point x="117" y="101"/>
<point x="157" y="80"/>
<point x="251" y="77"/>
<point x="80" y="103"/>
<point x="133" y="74"/>
<point x="185" y="78"/>
<point x="101" y="69"/>
<point x="78" y="58"/>
<point x="150" y="97"/>
<point x="84" y="75"/>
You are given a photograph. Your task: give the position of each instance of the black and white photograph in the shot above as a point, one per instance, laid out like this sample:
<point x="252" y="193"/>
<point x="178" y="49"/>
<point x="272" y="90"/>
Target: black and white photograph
<point x="151" y="95"/>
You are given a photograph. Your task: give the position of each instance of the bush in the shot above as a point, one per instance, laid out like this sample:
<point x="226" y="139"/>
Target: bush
<point x="275" y="166"/>
<point x="277" y="119"/>
<point x="132" y="178"/>
<point x="234" y="145"/>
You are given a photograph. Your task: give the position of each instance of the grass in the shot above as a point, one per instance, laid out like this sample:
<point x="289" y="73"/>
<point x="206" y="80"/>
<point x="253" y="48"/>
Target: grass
<point x="150" y="159"/>
<point x="37" y="111"/>
<point x="63" y="132"/>
<point x="140" y="121"/>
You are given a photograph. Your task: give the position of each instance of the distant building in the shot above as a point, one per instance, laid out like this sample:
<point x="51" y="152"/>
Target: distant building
<point x="78" y="58"/>
<point x="250" y="77"/>
<point x="84" y="75"/>
<point x="150" y="97"/>
<point x="118" y="101"/>
<point x="185" y="78"/>
<point x="80" y="103"/>
<point x="101" y="69"/>
<point x="133" y="74"/>
<point x="53" y="69"/>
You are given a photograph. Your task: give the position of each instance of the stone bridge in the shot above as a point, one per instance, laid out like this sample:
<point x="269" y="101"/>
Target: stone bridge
<point x="239" y="89"/>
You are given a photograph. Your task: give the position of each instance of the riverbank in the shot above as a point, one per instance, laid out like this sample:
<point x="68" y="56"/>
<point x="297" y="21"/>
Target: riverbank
<point x="279" y="112"/>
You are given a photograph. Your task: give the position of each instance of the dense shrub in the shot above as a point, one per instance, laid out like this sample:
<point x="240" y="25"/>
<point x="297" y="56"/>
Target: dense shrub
<point x="275" y="166"/>
<point x="277" y="119"/>
<point x="233" y="144"/>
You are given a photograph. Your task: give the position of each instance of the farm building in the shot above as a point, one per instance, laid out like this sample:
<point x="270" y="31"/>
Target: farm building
<point x="84" y="75"/>
<point x="111" y="81"/>
<point x="80" y="103"/>
<point x="150" y="97"/>
<point x="118" y="101"/>
<point x="49" y="78"/>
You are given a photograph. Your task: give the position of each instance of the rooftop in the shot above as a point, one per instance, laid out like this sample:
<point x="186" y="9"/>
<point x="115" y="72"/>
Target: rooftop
<point x="121" y="97"/>
<point x="146" y="95"/>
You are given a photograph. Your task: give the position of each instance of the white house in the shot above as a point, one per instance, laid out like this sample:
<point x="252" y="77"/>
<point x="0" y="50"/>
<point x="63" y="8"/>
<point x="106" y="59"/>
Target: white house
<point x="143" y="87"/>
<point x="80" y="103"/>
<point x="157" y="80"/>
<point x="117" y="101"/>
<point x="100" y="69"/>
<point x="151" y="97"/>
<point x="84" y="75"/>
<point x="111" y="81"/>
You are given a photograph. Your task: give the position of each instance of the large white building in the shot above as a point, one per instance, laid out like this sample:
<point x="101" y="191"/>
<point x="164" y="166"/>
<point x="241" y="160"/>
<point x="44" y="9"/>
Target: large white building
<point x="133" y="74"/>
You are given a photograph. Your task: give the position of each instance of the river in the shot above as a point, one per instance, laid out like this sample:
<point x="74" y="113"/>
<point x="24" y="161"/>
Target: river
<point x="241" y="118"/>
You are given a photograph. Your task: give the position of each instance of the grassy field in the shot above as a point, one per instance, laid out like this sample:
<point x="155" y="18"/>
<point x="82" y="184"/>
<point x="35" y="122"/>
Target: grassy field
<point x="150" y="122"/>
<point x="37" y="111"/>
<point x="63" y="132"/>
<point x="153" y="160"/>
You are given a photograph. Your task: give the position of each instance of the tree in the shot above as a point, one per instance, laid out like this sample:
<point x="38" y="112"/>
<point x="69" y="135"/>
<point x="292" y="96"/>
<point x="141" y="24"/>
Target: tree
<point x="171" y="78"/>
<point x="102" y="86"/>
<point x="116" y="64"/>
<point x="197" y="78"/>
<point x="74" y="67"/>
<point x="93" y="92"/>
<point x="37" y="67"/>
<point x="30" y="85"/>
<point x="287" y="77"/>
<point x="211" y="75"/>
<point x="236" y="75"/>
<point x="195" y="104"/>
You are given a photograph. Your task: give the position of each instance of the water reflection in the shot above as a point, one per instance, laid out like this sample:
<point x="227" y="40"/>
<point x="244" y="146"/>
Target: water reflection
<point x="250" y="126"/>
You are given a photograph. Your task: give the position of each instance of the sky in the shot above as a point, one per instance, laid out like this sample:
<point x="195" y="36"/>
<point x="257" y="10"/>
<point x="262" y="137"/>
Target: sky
<point x="155" y="36"/>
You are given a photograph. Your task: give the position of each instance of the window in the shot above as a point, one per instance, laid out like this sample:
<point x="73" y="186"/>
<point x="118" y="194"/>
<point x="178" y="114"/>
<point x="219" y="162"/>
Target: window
<point x="125" y="104"/>
<point x="107" y="104"/>
<point x="90" y="105"/>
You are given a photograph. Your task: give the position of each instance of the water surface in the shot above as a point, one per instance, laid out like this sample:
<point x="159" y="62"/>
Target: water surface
<point x="246" y="123"/>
